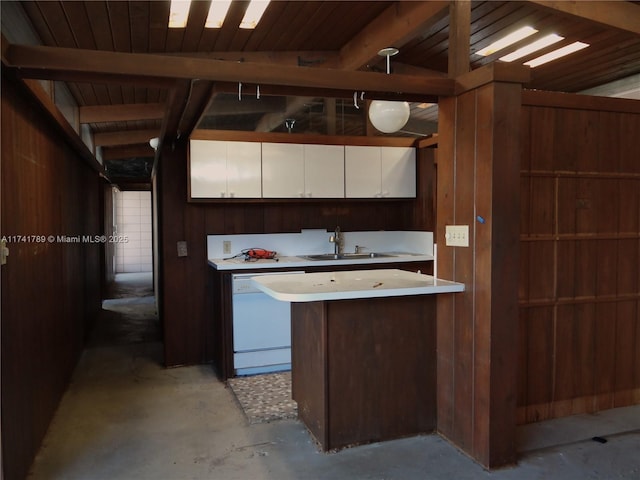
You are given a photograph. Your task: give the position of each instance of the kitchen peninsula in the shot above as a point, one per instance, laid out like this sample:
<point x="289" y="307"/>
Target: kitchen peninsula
<point x="363" y="352"/>
<point x="252" y="331"/>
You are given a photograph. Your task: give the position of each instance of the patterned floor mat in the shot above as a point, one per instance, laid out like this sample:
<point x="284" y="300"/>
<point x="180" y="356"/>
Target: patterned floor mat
<point x="266" y="397"/>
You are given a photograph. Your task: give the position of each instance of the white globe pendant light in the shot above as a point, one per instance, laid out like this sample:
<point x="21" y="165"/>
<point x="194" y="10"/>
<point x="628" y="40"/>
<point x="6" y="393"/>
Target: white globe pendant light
<point x="387" y="116"/>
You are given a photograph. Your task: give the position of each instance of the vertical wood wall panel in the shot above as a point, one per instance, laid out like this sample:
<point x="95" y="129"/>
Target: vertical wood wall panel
<point x="605" y="331"/>
<point x="445" y="306"/>
<point x="478" y="329"/>
<point x="503" y="203"/>
<point x="538" y="372"/>
<point x="50" y="290"/>
<point x="465" y="173"/>
<point x="626" y="348"/>
<point x="591" y="256"/>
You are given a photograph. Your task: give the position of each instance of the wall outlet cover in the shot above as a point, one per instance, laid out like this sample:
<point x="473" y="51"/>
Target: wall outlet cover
<point x="456" y="235"/>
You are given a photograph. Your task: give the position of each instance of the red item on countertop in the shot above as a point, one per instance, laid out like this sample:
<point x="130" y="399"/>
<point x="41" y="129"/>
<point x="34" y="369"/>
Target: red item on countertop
<point x="259" y="254"/>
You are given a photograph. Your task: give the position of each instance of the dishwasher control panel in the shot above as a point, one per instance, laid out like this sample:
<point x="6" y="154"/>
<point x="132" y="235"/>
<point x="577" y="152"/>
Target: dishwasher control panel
<point x="243" y="284"/>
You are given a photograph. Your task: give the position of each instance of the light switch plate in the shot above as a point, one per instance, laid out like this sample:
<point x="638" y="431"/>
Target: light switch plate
<point x="456" y="235"/>
<point x="182" y="248"/>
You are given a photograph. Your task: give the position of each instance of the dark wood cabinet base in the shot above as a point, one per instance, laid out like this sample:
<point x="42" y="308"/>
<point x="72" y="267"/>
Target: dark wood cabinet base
<point x="364" y="370"/>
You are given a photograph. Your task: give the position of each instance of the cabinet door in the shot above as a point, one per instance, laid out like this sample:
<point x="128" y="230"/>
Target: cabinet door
<point x="362" y="171"/>
<point x="244" y="176"/>
<point x="324" y="171"/>
<point x="207" y="169"/>
<point x="282" y="170"/>
<point x="398" y="172"/>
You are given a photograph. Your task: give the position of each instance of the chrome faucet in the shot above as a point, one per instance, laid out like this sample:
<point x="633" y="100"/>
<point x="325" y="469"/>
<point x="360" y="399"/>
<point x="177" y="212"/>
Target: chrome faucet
<point x="336" y="239"/>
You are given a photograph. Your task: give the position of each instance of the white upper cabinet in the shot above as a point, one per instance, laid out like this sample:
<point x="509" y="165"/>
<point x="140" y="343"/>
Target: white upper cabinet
<point x="282" y="170"/>
<point x="398" y="172"/>
<point x="237" y="169"/>
<point x="324" y="171"/>
<point x="244" y="170"/>
<point x="221" y="169"/>
<point x="208" y="169"/>
<point x="362" y="171"/>
<point x="302" y="171"/>
<point x="380" y="172"/>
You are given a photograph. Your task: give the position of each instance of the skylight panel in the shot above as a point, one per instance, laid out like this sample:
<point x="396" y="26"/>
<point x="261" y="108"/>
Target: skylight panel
<point x="507" y="40"/>
<point x="560" y="52"/>
<point x="532" y="47"/>
<point x="217" y="13"/>
<point x="254" y="13"/>
<point x="179" y="13"/>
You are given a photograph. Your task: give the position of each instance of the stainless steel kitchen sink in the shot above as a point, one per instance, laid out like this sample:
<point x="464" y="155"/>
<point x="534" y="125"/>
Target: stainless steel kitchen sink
<point x="346" y="256"/>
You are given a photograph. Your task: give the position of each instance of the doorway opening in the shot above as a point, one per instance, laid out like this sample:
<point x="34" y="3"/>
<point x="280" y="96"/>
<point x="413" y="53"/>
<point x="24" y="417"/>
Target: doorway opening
<point x="129" y="312"/>
<point x="132" y="232"/>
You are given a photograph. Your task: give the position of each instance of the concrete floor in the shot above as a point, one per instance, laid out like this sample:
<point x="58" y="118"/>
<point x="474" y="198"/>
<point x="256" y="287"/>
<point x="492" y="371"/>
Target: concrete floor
<point x="124" y="416"/>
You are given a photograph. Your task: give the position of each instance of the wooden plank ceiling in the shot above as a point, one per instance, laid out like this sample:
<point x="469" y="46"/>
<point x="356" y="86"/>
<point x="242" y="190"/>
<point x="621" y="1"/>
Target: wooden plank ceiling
<point x="134" y="78"/>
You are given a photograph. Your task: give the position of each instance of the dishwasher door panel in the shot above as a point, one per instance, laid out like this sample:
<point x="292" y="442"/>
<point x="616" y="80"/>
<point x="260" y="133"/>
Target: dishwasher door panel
<point x="262" y="361"/>
<point x="260" y="322"/>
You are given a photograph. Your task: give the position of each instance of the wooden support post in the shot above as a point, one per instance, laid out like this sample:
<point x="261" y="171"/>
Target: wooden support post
<point x="478" y="185"/>
<point x="459" y="37"/>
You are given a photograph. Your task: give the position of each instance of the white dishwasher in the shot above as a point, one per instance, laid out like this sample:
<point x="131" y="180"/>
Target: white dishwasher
<point x="261" y="328"/>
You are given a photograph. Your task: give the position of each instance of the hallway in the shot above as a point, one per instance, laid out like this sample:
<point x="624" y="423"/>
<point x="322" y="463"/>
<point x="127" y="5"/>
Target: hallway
<point x="126" y="417"/>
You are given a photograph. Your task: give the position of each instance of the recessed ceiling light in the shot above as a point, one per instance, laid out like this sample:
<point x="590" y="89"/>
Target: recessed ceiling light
<point x="561" y="52"/>
<point x="507" y="40"/>
<point x="179" y="13"/>
<point x="532" y="47"/>
<point x="254" y="13"/>
<point x="217" y="13"/>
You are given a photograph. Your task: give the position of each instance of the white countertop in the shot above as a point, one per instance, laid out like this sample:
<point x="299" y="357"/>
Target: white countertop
<point x="299" y="261"/>
<point x="311" y="287"/>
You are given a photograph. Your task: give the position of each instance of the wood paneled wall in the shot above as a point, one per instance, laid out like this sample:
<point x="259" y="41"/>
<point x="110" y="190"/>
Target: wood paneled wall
<point x="110" y="248"/>
<point x="50" y="290"/>
<point x="185" y="306"/>
<point x="478" y="172"/>
<point x="579" y="291"/>
<point x="556" y="180"/>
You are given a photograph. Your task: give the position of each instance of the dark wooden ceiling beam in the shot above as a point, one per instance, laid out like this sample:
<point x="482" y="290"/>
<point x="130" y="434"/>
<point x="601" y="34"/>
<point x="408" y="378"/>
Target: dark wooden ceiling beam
<point x="130" y="137"/>
<point x="397" y="25"/>
<point x="176" y="104"/>
<point x="121" y="113"/>
<point x="199" y="97"/>
<point x="325" y="59"/>
<point x="37" y="73"/>
<point x="289" y="91"/>
<point x="621" y="15"/>
<point x="459" y="37"/>
<point x="81" y="61"/>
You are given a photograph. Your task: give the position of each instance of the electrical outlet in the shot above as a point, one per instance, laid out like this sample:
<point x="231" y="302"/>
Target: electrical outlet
<point x="226" y="247"/>
<point x="457" y="235"/>
<point x="182" y="248"/>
